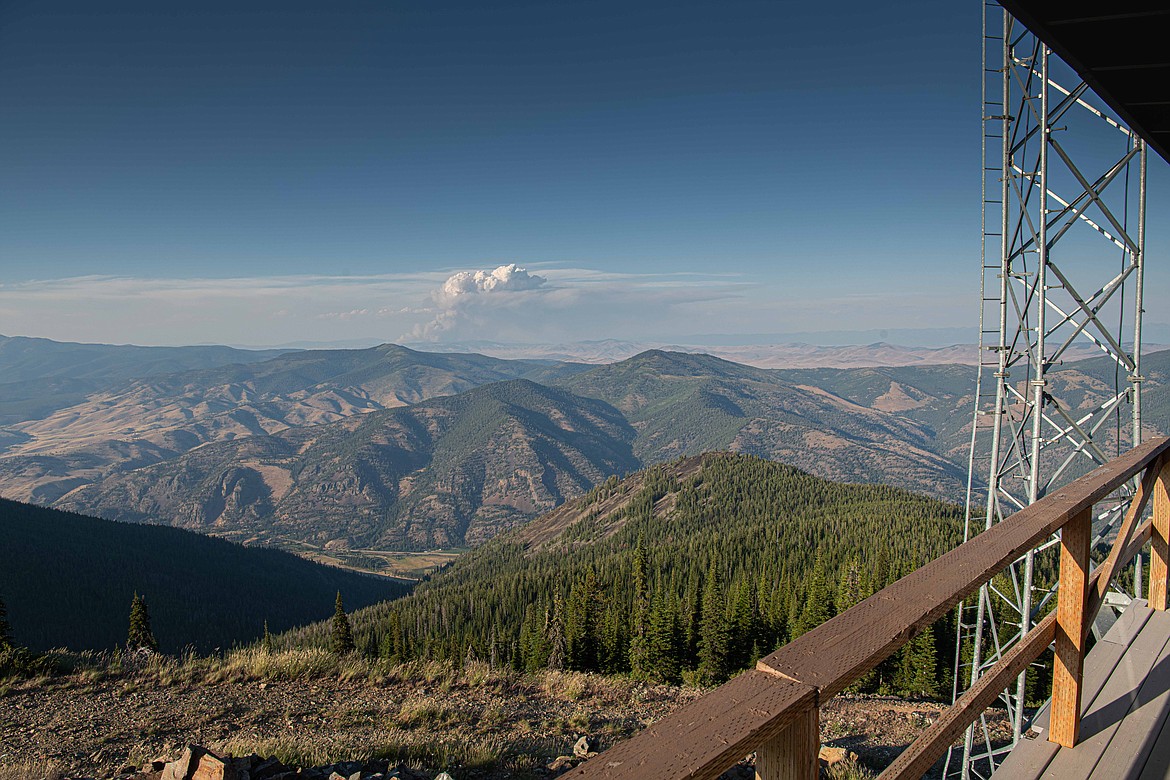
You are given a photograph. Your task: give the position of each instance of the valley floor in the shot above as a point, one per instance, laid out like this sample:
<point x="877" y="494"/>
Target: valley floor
<point x="474" y="722"/>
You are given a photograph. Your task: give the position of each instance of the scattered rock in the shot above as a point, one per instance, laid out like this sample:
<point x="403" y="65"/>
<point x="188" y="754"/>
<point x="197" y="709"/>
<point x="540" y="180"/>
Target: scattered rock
<point x="212" y="767"/>
<point x="199" y="763"/>
<point x="586" y="747"/>
<point x="268" y="769"/>
<point x="180" y="768"/>
<point x="562" y="764"/>
<point x="835" y="755"/>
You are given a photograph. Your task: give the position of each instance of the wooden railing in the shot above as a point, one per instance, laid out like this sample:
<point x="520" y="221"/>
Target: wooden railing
<point x="773" y="709"/>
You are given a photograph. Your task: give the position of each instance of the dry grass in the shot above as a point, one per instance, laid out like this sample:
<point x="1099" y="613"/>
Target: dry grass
<point x="426" y="712"/>
<point x="257" y="664"/>
<point x="847" y="770"/>
<point x="32" y="770"/>
<point x="415" y="749"/>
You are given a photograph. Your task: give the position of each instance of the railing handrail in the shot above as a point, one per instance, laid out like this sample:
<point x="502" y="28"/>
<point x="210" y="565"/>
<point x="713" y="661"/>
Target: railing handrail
<point x="765" y="708"/>
<point x="835" y="654"/>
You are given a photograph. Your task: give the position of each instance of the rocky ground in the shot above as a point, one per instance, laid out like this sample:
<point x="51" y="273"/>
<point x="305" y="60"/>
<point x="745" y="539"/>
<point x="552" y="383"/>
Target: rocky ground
<point x="474" y="723"/>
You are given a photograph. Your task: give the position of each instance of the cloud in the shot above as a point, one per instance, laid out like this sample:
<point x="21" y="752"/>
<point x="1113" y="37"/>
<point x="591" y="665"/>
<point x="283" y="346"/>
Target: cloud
<point x="343" y="315"/>
<point x="540" y="303"/>
<point x="239" y="310"/>
<point x="505" y="278"/>
<point x="467" y="290"/>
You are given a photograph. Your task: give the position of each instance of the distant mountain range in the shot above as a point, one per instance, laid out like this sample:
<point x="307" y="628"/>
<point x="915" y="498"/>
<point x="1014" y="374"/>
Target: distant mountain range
<point x="391" y="448"/>
<point x="787" y="354"/>
<point x="38" y="376"/>
<point x="445" y="472"/>
<point x="68" y="580"/>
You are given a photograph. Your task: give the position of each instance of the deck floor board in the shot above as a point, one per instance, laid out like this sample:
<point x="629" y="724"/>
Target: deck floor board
<point x="1126" y="699"/>
<point x="1130" y="748"/>
<point x="1032" y="756"/>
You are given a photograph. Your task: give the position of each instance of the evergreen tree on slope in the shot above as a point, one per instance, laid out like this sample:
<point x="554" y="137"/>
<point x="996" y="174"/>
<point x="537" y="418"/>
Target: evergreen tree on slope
<point x="140" y="636"/>
<point x="342" y="639"/>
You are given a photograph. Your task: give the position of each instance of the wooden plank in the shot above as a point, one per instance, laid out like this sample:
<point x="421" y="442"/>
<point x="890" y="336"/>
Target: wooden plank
<point x="1128" y="750"/>
<point x="1160" y="541"/>
<point x="1116" y="559"/>
<point x="916" y="760"/>
<point x="1032" y="754"/>
<point x="1071" y="629"/>
<point x="1101" y="720"/>
<point x="794" y="754"/>
<point x="1129" y="624"/>
<point x="1158" y="761"/>
<point x="707" y="736"/>
<point x="836" y="653"/>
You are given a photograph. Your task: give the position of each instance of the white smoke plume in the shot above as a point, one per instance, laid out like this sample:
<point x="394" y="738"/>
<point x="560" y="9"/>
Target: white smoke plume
<point x="467" y="289"/>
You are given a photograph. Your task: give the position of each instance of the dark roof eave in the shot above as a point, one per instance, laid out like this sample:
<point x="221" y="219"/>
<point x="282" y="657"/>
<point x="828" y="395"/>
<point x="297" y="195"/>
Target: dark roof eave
<point x="1033" y="14"/>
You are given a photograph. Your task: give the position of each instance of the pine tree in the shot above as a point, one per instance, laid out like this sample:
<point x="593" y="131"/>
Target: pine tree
<point x="342" y="639"/>
<point x="532" y="650"/>
<point x="777" y="615"/>
<point x="713" y="631"/>
<point x="744" y="626"/>
<point x="140" y="637"/>
<point x="850" y="587"/>
<point x="557" y="651"/>
<point x="6" y="639"/>
<point x="818" y="601"/>
<point x="664" y="641"/>
<point x="493" y="648"/>
<point x="614" y="642"/>
<point x="581" y="625"/>
<point x="266" y="643"/>
<point x="393" y="647"/>
<point x="386" y="646"/>
<point x="639" y="660"/>
<point x="917" y="671"/>
<point x="690" y="617"/>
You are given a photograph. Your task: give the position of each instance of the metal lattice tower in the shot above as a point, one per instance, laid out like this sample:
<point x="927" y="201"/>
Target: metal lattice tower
<point x="1063" y="240"/>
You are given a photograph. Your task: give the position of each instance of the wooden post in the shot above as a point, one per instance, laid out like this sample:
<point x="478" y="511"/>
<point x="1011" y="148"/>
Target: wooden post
<point x="1160" y="539"/>
<point x="1075" y="539"/>
<point x="794" y="753"/>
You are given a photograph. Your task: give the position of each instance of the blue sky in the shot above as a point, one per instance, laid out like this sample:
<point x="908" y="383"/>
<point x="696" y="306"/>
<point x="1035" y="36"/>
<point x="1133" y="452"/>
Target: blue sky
<point x="309" y="171"/>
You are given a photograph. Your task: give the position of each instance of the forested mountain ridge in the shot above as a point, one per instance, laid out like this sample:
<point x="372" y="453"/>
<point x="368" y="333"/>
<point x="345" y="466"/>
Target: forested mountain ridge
<point x="162" y="417"/>
<point x="940" y="398"/>
<point x="39" y="376"/>
<point x="685" y="404"/>
<point x="177" y="412"/>
<point x="68" y="581"/>
<point x="456" y="470"/>
<point x="24" y="358"/>
<point x="247" y="451"/>
<point x="697" y="567"/>
<point x="444" y="472"/>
